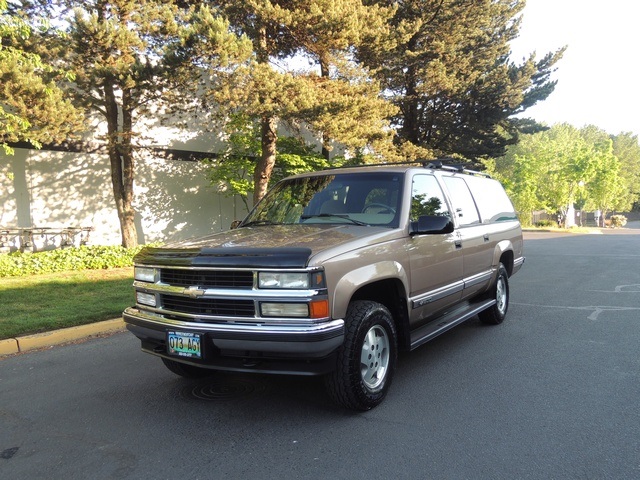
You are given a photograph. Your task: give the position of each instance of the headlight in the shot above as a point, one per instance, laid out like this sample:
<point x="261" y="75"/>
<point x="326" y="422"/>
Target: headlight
<point x="145" y="274"/>
<point x="283" y="280"/>
<point x="146" y="299"/>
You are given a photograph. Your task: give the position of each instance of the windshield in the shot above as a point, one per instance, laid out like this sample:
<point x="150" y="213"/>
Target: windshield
<point x="367" y="198"/>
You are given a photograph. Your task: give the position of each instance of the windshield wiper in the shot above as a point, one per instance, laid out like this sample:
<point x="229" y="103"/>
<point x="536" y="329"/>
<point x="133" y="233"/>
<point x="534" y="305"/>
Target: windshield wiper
<point x="334" y="215"/>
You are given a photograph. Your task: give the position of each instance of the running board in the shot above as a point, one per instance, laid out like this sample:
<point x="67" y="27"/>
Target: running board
<point x="440" y="325"/>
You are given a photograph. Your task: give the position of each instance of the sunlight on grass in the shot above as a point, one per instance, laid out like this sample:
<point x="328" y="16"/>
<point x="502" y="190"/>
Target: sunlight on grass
<point x="41" y="303"/>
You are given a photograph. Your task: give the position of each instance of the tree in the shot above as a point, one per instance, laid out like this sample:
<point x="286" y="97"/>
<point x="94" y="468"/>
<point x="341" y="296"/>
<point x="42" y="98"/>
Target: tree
<point x="451" y="77"/>
<point x="551" y="170"/>
<point x="129" y="59"/>
<point x="32" y="108"/>
<point x="627" y="149"/>
<point x="342" y="103"/>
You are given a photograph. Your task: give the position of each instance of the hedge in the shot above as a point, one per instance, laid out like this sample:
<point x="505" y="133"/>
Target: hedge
<point x="19" y="264"/>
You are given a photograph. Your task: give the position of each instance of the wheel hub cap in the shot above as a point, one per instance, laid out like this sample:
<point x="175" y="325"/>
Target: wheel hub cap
<point x="374" y="359"/>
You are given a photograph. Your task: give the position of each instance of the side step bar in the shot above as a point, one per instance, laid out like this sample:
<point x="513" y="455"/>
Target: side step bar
<point x="440" y="325"/>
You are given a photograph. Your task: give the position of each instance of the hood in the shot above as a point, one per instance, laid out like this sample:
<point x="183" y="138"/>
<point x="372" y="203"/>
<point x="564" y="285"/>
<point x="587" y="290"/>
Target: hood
<point x="269" y="246"/>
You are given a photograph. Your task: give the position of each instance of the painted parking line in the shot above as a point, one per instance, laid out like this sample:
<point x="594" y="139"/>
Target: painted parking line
<point x="595" y="310"/>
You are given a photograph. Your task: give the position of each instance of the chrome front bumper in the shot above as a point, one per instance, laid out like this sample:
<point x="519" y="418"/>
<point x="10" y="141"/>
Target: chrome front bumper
<point x="312" y="341"/>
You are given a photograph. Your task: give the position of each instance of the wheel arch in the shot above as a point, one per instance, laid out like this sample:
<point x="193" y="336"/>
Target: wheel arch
<point x="390" y="292"/>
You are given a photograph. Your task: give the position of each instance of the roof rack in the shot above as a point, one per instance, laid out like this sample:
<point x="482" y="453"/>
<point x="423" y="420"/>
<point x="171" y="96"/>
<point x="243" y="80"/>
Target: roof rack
<point x="438" y="165"/>
<point x="435" y="164"/>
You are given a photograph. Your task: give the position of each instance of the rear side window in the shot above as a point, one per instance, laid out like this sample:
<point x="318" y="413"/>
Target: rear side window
<point x="463" y="204"/>
<point x="492" y="200"/>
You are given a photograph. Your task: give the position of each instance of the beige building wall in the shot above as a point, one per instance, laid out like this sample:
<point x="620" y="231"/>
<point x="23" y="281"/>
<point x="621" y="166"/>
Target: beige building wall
<point x="173" y="199"/>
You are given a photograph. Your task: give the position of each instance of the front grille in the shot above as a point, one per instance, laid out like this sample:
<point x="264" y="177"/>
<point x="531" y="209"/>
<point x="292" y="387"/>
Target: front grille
<point x="209" y="306"/>
<point x="207" y="278"/>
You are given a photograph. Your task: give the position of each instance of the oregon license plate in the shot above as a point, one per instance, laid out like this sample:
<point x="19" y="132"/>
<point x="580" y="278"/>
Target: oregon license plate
<point x="184" y="344"/>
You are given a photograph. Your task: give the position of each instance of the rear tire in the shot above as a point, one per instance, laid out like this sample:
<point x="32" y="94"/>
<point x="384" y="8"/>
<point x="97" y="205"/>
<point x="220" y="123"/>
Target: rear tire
<point x="496" y="314"/>
<point x="187" y="371"/>
<point x="367" y="359"/>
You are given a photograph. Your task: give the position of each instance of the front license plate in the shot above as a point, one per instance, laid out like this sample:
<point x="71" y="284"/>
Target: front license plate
<point x="184" y="344"/>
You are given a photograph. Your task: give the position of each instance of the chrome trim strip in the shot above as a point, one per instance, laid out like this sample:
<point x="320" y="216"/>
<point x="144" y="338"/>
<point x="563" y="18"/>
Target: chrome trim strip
<point x="518" y="261"/>
<point x="478" y="278"/>
<point x="299" y="329"/>
<point x="235" y="293"/>
<point x="433" y="295"/>
<point x="226" y="320"/>
<point x="228" y="269"/>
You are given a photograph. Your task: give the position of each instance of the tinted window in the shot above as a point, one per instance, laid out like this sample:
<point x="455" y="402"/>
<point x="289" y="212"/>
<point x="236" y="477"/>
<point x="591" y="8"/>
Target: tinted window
<point x="463" y="204"/>
<point x="492" y="200"/>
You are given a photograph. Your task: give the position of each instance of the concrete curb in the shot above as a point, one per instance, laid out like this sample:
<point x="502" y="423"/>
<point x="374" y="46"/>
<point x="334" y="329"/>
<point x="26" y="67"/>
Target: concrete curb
<point x="31" y="342"/>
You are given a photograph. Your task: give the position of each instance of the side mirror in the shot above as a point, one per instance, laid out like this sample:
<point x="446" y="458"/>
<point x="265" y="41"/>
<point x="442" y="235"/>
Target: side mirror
<point x="432" y="224"/>
<point x="235" y="224"/>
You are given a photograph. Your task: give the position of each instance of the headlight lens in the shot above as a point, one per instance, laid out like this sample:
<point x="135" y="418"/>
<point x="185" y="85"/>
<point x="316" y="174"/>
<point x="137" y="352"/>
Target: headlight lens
<point x="146" y="299"/>
<point x="283" y="280"/>
<point x="145" y="274"/>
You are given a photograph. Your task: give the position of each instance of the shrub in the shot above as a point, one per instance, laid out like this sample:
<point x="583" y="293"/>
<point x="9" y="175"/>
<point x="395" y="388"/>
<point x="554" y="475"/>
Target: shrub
<point x="617" y="221"/>
<point x="83" y="258"/>
<point x="546" y="223"/>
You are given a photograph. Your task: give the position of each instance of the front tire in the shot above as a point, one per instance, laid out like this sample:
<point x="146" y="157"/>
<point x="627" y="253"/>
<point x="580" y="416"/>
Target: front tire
<point x="367" y="359"/>
<point x="496" y="314"/>
<point x="187" y="371"/>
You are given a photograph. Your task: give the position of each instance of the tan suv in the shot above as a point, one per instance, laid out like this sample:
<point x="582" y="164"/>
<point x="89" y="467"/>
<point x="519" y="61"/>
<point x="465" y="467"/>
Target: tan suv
<point x="330" y="274"/>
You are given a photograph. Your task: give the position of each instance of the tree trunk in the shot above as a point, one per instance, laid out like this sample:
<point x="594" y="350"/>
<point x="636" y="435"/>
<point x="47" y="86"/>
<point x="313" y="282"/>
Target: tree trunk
<point x="122" y="164"/>
<point x="267" y="160"/>
<point x="324" y="73"/>
<point x="269" y="135"/>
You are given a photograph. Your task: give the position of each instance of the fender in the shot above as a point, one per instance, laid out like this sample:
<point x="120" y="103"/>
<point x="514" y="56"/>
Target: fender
<point x="360" y="277"/>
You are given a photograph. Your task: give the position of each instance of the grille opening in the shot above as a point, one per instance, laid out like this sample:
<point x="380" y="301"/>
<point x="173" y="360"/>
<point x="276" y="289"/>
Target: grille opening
<point x="207" y="306"/>
<point x="207" y="278"/>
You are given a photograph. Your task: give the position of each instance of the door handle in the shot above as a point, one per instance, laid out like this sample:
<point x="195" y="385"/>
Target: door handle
<point x="458" y="243"/>
<point x="486" y="237"/>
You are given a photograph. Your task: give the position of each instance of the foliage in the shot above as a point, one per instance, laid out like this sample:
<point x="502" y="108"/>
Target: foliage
<point x="561" y="166"/>
<point x="130" y="60"/>
<point x="343" y="103"/>
<point x="448" y="71"/>
<point x="546" y="223"/>
<point x="617" y="221"/>
<point x="19" y="264"/>
<point x="232" y="172"/>
<point x="32" y="108"/>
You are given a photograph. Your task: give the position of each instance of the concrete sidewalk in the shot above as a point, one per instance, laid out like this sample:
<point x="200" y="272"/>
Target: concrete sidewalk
<point x="12" y="346"/>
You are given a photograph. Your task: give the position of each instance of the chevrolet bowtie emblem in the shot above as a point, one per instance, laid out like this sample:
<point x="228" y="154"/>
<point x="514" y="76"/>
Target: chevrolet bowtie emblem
<point x="194" y="292"/>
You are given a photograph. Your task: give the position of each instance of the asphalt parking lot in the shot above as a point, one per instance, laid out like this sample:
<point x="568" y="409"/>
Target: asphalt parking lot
<point x="551" y="393"/>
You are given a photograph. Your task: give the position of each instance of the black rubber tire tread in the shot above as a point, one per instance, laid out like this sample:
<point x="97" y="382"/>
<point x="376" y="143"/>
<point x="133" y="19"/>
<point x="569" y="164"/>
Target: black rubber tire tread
<point x="492" y="315"/>
<point x="345" y="385"/>
<point x="187" y="371"/>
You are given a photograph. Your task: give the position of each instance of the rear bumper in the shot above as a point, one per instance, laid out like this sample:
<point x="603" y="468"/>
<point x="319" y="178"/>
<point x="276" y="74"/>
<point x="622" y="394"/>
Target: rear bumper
<point x="296" y="349"/>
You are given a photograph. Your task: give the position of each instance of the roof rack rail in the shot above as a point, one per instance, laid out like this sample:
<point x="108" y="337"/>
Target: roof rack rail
<point x="435" y="164"/>
<point x="457" y="168"/>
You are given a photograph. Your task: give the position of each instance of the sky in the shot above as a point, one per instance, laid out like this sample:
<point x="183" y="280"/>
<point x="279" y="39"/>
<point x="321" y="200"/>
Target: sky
<point x="598" y="76"/>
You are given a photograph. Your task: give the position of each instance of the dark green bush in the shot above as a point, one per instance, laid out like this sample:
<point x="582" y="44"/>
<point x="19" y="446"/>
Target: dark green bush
<point x="546" y="223"/>
<point x="83" y="258"/>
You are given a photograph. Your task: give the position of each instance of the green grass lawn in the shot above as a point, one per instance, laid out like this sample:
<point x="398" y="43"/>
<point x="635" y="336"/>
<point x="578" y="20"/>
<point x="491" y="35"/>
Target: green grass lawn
<point x="41" y="303"/>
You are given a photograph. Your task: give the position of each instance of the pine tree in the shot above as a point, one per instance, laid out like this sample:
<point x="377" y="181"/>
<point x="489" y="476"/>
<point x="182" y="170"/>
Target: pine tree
<point x="451" y="76"/>
<point x="32" y="108"/>
<point x="341" y="103"/>
<point x="129" y="59"/>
